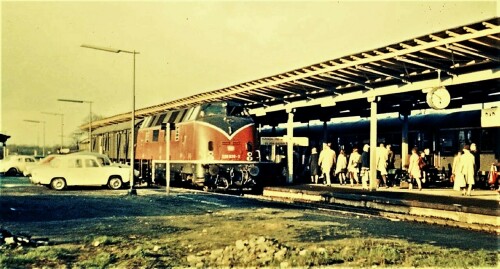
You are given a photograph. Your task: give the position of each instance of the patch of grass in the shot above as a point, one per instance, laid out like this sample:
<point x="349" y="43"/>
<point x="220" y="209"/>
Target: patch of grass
<point x="102" y="240"/>
<point x="14" y="261"/>
<point x="389" y="252"/>
<point x="101" y="260"/>
<point x="45" y="255"/>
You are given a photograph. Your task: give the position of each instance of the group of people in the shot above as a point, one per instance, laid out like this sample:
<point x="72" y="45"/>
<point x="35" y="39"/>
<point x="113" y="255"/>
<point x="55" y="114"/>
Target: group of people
<point x="349" y="168"/>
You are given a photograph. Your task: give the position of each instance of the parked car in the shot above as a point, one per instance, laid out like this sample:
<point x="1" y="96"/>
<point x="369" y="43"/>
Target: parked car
<point x="104" y="160"/>
<point x="14" y="165"/>
<point x="44" y="161"/>
<point x="79" y="170"/>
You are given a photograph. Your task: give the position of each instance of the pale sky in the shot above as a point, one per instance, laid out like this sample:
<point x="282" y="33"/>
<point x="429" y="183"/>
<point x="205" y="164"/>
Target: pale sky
<point x="185" y="48"/>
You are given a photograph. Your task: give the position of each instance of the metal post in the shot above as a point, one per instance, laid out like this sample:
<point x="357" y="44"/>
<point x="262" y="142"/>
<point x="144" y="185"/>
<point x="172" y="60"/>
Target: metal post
<point x="132" y="117"/>
<point x="90" y="117"/>
<point x="62" y="132"/>
<point x="167" y="158"/>
<point x="404" y="143"/>
<point x="38" y="135"/>
<point x="289" y="153"/>
<point x="90" y="128"/>
<point x="62" y="126"/>
<point x="43" y="149"/>
<point x="373" y="143"/>
<point x="132" y="133"/>
<point x="325" y="131"/>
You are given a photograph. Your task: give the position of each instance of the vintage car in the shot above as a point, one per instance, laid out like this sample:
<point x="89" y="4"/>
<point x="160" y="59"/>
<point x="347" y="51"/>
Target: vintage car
<point x="80" y="170"/>
<point x="104" y="160"/>
<point x="14" y="165"/>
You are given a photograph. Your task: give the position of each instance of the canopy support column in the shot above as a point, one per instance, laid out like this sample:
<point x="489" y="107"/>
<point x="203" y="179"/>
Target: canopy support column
<point x="325" y="131"/>
<point x="404" y="142"/>
<point x="289" y="150"/>
<point x="373" y="142"/>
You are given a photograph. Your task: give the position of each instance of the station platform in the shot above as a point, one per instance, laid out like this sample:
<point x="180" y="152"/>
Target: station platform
<point x="443" y="206"/>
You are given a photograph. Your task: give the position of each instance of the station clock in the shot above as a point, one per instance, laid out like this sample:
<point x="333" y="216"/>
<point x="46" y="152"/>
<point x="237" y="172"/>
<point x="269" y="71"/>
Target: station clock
<point x="438" y="98"/>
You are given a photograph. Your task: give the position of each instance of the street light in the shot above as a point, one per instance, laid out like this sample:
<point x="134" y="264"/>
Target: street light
<point x="90" y="116"/>
<point x="132" y="122"/>
<point x="43" y="122"/>
<point x="62" y="127"/>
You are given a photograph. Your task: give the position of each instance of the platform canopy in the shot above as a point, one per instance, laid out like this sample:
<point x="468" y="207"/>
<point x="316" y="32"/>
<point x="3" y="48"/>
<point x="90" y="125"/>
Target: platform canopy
<point x="465" y="60"/>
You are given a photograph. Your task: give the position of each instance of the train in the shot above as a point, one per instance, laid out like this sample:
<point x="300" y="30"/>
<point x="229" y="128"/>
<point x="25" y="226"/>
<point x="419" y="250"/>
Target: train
<point x="212" y="145"/>
<point x="216" y="144"/>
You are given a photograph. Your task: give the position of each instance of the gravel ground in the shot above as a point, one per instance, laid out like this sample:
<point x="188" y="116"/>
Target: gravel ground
<point x="100" y="228"/>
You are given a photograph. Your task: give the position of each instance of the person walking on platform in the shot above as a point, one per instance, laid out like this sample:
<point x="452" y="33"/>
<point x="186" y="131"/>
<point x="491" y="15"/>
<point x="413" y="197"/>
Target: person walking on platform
<point x="477" y="159"/>
<point x="332" y="173"/>
<point x="456" y="173"/>
<point x="382" y="156"/>
<point x="467" y="168"/>
<point x="341" y="168"/>
<point x="353" y="166"/>
<point x="390" y="157"/>
<point x="414" y="169"/>
<point x="313" y="165"/>
<point x="365" y="167"/>
<point x="326" y="161"/>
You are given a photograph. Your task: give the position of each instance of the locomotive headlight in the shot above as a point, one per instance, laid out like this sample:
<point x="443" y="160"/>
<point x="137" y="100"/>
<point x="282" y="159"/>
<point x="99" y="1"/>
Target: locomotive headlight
<point x="230" y="148"/>
<point x="253" y="170"/>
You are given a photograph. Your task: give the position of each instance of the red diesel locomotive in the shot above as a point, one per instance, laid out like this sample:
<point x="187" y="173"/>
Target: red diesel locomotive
<point x="211" y="145"/>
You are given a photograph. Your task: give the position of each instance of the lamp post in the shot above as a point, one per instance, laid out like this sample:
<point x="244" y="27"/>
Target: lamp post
<point x="38" y="122"/>
<point x="90" y="116"/>
<point x="62" y="127"/>
<point x="132" y="116"/>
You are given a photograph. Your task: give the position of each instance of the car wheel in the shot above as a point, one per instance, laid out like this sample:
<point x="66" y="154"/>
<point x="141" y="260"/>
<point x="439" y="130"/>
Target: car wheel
<point x="115" y="183"/>
<point x="12" y="172"/>
<point x="58" y="184"/>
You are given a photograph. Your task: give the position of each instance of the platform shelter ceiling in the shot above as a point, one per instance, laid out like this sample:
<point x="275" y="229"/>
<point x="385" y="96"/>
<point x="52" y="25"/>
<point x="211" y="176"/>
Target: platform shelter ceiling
<point x="463" y="59"/>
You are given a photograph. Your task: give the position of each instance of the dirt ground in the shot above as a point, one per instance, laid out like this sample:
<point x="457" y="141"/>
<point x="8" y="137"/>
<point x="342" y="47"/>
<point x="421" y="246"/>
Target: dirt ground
<point x="97" y="228"/>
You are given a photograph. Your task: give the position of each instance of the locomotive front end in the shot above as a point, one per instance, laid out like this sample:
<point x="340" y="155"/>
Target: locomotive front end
<point x="229" y="156"/>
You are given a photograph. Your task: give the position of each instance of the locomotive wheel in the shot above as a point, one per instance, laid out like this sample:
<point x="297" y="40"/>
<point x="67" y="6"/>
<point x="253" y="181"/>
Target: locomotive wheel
<point x="58" y="184"/>
<point x="115" y="183"/>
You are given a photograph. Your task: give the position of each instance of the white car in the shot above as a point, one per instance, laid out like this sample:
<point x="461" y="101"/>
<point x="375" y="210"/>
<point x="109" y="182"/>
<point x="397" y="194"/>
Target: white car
<point x="14" y="165"/>
<point x="79" y="170"/>
<point x="104" y="160"/>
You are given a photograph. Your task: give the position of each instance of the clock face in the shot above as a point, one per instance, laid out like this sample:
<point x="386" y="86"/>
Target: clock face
<point x="438" y="98"/>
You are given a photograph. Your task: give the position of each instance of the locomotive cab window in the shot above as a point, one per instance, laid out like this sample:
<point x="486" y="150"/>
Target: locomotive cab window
<point x="214" y="110"/>
<point x="236" y="111"/>
<point x="210" y="146"/>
